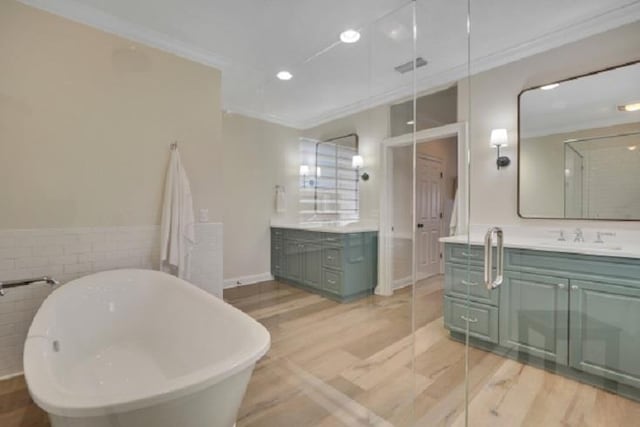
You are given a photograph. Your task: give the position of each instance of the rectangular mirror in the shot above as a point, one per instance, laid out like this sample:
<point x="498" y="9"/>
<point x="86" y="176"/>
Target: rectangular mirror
<point x="579" y="147"/>
<point x="335" y="190"/>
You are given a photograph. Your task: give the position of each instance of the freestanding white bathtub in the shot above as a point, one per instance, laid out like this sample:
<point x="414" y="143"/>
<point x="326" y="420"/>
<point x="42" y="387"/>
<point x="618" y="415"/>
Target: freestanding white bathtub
<point x="140" y="348"/>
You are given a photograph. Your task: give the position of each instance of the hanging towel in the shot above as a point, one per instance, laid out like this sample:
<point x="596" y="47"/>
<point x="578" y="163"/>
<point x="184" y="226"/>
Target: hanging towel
<point x="281" y="199"/>
<point x="177" y="233"/>
<point x="453" y="224"/>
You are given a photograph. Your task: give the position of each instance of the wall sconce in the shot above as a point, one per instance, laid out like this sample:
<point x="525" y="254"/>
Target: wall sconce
<point x="499" y="139"/>
<point x="356" y="162"/>
<point x="304" y="172"/>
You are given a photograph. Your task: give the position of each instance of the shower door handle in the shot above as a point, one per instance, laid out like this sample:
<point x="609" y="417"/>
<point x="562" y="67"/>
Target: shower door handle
<point x="489" y="281"/>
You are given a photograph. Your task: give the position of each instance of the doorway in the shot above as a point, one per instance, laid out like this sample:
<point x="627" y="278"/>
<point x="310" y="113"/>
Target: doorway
<point x="446" y="145"/>
<point x="429" y="215"/>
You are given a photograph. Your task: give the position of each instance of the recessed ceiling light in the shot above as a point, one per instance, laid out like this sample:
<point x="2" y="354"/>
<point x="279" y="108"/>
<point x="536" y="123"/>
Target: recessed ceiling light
<point x="410" y="122"/>
<point x="632" y="147"/>
<point x="629" y="107"/>
<point x="549" y="87"/>
<point x="284" y="75"/>
<point x="349" y="36"/>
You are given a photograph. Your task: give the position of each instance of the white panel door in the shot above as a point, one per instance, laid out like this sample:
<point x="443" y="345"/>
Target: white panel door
<point x="428" y="216"/>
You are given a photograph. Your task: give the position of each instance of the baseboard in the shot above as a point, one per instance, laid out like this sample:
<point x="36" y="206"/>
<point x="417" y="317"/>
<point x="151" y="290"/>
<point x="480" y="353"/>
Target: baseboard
<point x="8" y="377"/>
<point x="247" y="280"/>
<point x="401" y="283"/>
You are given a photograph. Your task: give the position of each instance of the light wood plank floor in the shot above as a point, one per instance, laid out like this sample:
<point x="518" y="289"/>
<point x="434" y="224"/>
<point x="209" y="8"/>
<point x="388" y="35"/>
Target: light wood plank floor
<point x="351" y="364"/>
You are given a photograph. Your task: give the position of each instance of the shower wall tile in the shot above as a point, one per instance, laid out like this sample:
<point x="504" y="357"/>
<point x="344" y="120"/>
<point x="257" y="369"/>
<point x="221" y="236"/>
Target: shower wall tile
<point x="70" y="253"/>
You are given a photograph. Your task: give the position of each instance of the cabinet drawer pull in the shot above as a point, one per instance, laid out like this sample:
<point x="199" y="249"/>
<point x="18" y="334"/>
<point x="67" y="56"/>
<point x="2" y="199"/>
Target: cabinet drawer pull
<point x="469" y="319"/>
<point x="470" y="255"/>
<point x="330" y="258"/>
<point x="561" y="285"/>
<point x="464" y="282"/>
<point x="574" y="287"/>
<point x="331" y="282"/>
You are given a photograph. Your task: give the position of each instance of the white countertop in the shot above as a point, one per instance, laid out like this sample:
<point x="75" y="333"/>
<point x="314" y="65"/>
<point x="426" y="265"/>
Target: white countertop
<point x="610" y="248"/>
<point x="333" y="227"/>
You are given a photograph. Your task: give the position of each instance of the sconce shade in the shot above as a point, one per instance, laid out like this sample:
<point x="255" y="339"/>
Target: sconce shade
<point x="304" y="170"/>
<point x="357" y="161"/>
<point x="499" y="138"/>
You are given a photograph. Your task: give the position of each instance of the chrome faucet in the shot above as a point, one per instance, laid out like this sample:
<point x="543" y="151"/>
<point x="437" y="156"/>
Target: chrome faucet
<point x="579" y="236"/>
<point x="602" y="233"/>
<point x="22" y="282"/>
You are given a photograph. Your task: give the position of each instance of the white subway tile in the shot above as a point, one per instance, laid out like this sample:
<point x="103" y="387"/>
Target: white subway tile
<point x="86" y="267"/>
<point x="14" y="252"/>
<point x="31" y="262"/>
<point x="77" y="248"/>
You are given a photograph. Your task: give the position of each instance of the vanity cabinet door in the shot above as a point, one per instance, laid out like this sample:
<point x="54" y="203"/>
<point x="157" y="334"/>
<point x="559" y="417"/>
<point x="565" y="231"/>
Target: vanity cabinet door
<point x="277" y="258"/>
<point x="534" y="315"/>
<point x="293" y="260"/>
<point x="312" y="264"/>
<point x="605" y="330"/>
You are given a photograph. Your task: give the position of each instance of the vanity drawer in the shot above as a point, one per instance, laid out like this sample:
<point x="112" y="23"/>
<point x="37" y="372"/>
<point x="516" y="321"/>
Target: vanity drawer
<point x="462" y="253"/>
<point x="277" y="234"/>
<point x="303" y="235"/>
<point x="332" y="281"/>
<point x="332" y="257"/>
<point x="483" y="319"/>
<point x="458" y="283"/>
<point x="333" y="239"/>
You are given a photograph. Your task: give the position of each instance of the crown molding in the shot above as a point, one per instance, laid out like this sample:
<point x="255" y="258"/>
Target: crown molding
<point x="76" y="11"/>
<point x="92" y="17"/>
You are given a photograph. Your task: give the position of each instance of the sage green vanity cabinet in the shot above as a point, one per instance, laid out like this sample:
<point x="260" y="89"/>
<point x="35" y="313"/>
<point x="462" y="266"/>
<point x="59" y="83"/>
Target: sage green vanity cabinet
<point x="534" y="313"/>
<point x="312" y="264"/>
<point x="578" y="315"/>
<point x="341" y="266"/>
<point x="293" y="260"/>
<point x="605" y="330"/>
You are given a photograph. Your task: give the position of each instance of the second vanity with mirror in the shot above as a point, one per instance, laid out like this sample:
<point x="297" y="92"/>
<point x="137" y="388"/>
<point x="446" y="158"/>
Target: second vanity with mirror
<point x="565" y="300"/>
<point x="570" y="307"/>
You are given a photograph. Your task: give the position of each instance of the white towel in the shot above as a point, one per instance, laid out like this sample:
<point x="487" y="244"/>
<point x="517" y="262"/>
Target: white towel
<point x="281" y="199"/>
<point x="453" y="224"/>
<point x="177" y="231"/>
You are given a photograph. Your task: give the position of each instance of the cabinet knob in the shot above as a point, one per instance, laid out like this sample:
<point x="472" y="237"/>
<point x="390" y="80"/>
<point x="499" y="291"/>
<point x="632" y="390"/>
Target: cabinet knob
<point x="574" y="287"/>
<point x="561" y="285"/>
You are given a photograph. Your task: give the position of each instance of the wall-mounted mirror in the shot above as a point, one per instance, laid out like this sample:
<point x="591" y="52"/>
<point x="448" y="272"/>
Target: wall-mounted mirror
<point x="329" y="191"/>
<point x="579" y="147"/>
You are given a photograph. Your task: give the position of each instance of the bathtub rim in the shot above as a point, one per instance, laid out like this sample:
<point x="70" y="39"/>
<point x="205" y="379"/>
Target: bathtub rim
<point x="51" y="397"/>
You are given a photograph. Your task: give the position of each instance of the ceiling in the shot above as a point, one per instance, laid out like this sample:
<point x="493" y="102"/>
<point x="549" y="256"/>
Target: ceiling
<point x="251" y="40"/>
<point x="585" y="103"/>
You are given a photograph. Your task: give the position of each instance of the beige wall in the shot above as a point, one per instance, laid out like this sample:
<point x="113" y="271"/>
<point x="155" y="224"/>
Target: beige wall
<point x="258" y="156"/>
<point x="86" y="123"/>
<point x="494" y="104"/>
